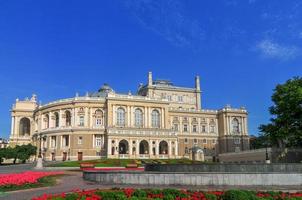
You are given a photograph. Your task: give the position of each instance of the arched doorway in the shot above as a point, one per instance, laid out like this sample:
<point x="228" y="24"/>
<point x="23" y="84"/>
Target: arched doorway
<point x="163" y="147"/>
<point x="143" y="147"/>
<point x="24" y="127"/>
<point x="123" y="147"/>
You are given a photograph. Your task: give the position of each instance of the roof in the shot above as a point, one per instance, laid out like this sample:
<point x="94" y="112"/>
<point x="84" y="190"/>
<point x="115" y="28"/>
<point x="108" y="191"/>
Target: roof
<point x="103" y="91"/>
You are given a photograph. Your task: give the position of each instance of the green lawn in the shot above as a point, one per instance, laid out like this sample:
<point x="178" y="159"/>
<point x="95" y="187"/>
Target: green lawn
<point x="122" y="162"/>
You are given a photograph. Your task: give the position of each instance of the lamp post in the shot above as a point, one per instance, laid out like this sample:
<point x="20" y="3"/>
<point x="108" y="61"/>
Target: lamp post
<point x="68" y="153"/>
<point x="267" y="160"/>
<point x="40" y="160"/>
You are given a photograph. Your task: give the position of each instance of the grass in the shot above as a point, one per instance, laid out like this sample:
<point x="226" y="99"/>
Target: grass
<point x="42" y="182"/>
<point x="122" y="162"/>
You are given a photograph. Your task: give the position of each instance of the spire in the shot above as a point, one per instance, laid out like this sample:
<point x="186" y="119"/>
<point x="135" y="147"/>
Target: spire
<point x="150" y="81"/>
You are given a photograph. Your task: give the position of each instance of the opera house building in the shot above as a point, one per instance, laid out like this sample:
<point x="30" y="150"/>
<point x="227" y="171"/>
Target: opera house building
<point x="160" y="121"/>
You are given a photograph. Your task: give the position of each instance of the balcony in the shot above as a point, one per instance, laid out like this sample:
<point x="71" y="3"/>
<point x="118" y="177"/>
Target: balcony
<point x="142" y="132"/>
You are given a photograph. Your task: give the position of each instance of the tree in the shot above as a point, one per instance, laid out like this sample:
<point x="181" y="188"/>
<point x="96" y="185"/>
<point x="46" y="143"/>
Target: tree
<point x="259" y="142"/>
<point x="285" y="128"/>
<point x="25" y="151"/>
<point x="3" y="153"/>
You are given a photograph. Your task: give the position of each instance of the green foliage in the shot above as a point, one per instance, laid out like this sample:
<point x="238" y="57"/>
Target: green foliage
<point x="285" y="128"/>
<point x="134" y="198"/>
<point x="235" y="195"/>
<point x="174" y="193"/>
<point x="210" y="196"/>
<point x="111" y="195"/>
<point x="139" y="193"/>
<point x="169" y="197"/>
<point x="22" y="152"/>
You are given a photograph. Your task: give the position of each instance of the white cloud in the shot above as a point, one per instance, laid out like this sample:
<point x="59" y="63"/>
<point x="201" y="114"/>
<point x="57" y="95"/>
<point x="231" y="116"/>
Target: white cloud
<point x="271" y="49"/>
<point x="167" y="19"/>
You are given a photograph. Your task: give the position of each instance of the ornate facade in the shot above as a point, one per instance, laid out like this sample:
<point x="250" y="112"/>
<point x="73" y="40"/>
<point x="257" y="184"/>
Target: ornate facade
<point x="160" y="121"/>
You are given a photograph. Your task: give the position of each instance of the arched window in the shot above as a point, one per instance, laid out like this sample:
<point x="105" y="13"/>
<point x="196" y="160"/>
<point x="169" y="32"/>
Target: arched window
<point x="138" y="116"/>
<point x="68" y="118"/>
<point x="163" y="147"/>
<point x="24" y="127"/>
<point x="120" y="117"/>
<point x="143" y="147"/>
<point x="155" y="119"/>
<point x="46" y="121"/>
<point x="98" y="117"/>
<point x="57" y="119"/>
<point x="123" y="147"/>
<point x="235" y="126"/>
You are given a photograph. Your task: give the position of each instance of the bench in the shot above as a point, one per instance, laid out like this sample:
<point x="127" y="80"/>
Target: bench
<point x="87" y="165"/>
<point x="133" y="165"/>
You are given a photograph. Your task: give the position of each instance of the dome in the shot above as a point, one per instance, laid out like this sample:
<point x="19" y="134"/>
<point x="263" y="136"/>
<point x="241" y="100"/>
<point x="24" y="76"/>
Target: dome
<point x="105" y="88"/>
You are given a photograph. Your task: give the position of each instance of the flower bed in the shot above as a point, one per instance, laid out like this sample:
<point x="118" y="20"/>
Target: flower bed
<point x="170" y="194"/>
<point x="24" y="180"/>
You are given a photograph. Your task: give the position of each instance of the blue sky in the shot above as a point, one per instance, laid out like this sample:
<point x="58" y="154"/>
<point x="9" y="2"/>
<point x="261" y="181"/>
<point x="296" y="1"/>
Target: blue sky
<point x="240" y="48"/>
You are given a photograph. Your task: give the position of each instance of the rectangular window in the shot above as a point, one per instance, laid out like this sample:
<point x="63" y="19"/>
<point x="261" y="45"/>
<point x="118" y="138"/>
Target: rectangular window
<point x="180" y="98"/>
<point x="203" y="128"/>
<point x="194" y="128"/>
<point x="98" y="122"/>
<point x="53" y="141"/>
<point x="81" y="121"/>
<point x="169" y="98"/>
<point x="212" y="129"/>
<point x="175" y="127"/>
<point x="98" y="140"/>
<point x="80" y="140"/>
<point x="185" y="128"/>
<point x="65" y="141"/>
<point x="204" y="141"/>
<point x="186" y="140"/>
<point x="195" y="141"/>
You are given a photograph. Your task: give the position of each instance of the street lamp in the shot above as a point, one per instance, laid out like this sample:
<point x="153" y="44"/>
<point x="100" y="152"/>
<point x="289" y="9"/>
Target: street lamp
<point x="40" y="161"/>
<point x="267" y="160"/>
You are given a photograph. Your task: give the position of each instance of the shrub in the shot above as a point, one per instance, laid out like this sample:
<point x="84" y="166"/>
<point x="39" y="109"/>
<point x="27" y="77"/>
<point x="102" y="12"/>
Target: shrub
<point x="139" y="193"/>
<point x="172" y="192"/>
<point x="169" y="197"/>
<point x="209" y="196"/>
<point x="235" y="195"/>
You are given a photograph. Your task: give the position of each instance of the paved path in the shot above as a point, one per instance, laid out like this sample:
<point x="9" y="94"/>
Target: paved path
<point x="16" y="168"/>
<point x="74" y="180"/>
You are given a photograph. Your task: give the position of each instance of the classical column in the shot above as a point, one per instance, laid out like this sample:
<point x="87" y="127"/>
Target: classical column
<point x="109" y="147"/>
<point x="128" y="117"/>
<point x="176" y="148"/>
<point x="149" y="118"/>
<point x="90" y="119"/>
<point x="156" y="148"/>
<point x="227" y="125"/>
<point x="162" y="124"/>
<point x="245" y="126"/>
<point x="229" y="122"/>
<point x="113" y="116"/>
<point x="170" y="148"/>
<point x="86" y="117"/>
<point x="13" y="127"/>
<point x="61" y="118"/>
<point x="130" y="148"/>
<point x="73" y="117"/>
<point x="146" y="117"/>
<point x="137" y="148"/>
<point x="150" y="148"/>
